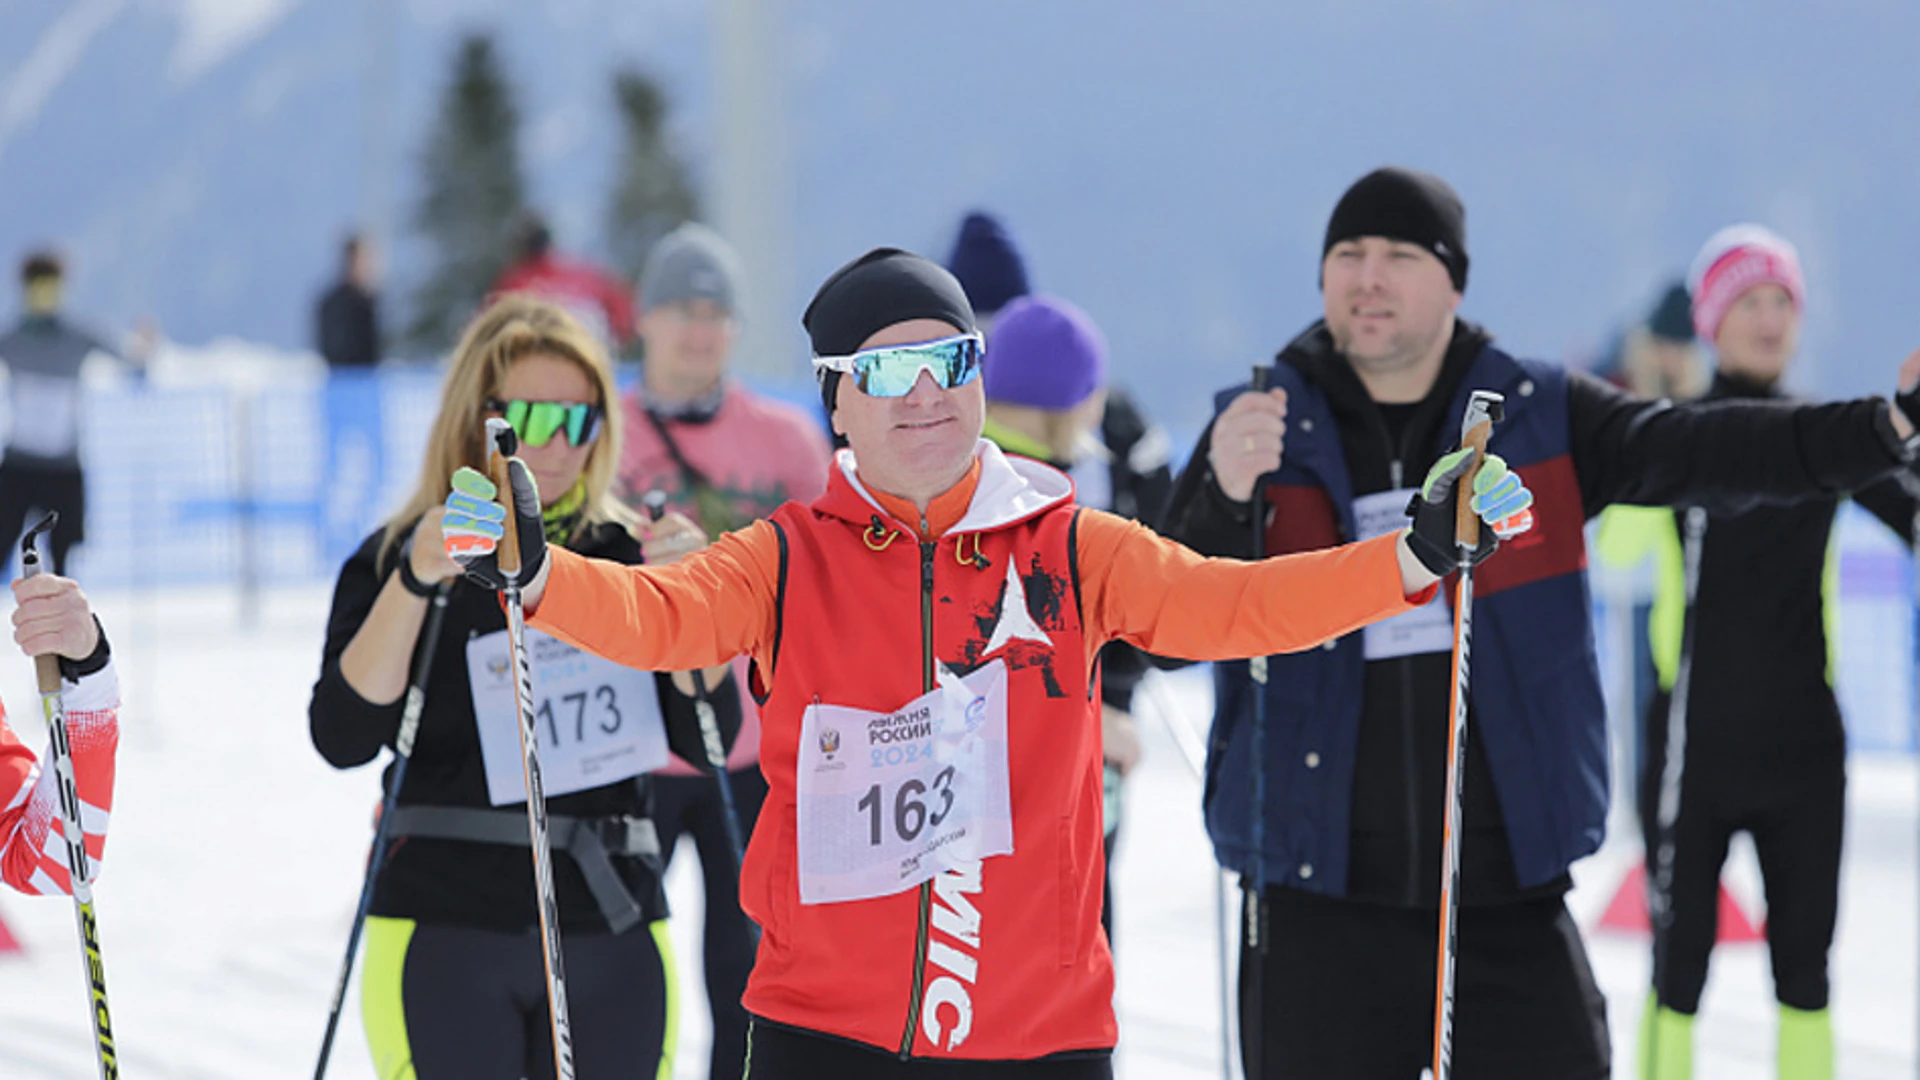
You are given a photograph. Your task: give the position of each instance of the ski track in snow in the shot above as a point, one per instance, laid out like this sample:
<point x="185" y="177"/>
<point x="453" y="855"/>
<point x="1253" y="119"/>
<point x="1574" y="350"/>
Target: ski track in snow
<point x="234" y="861"/>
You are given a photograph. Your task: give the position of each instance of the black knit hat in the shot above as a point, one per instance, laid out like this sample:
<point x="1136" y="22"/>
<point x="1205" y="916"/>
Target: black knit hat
<point x="1672" y="317"/>
<point x="1402" y="204"/>
<point x="869" y="294"/>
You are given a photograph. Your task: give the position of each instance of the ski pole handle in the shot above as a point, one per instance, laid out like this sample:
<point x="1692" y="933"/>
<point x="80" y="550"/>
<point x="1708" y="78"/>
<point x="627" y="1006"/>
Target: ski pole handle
<point x="46" y="667"/>
<point x="501" y="444"/>
<point x="1483" y="408"/>
<point x="1258" y="382"/>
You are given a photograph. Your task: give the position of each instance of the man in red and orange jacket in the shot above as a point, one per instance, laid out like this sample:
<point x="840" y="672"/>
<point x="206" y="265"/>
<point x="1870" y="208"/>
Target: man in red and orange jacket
<point x="926" y="869"/>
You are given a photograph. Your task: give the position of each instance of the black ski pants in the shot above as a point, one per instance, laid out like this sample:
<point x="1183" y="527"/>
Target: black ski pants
<point x="1349" y="992"/>
<point x="1796" y="816"/>
<point x="447" y="1002"/>
<point x="778" y="1052"/>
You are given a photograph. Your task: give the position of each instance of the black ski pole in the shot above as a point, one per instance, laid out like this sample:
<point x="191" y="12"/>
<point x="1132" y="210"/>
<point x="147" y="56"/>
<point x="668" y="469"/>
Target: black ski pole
<point x="1254" y="934"/>
<point x="46" y="671"/>
<point x="501" y="444"/>
<point x="1672" y="772"/>
<point x="1483" y="409"/>
<point x="402" y="753"/>
<point x="656" y="503"/>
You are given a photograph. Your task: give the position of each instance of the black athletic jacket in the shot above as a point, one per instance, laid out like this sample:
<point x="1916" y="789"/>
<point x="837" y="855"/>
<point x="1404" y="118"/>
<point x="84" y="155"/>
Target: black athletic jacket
<point x="1760" y="702"/>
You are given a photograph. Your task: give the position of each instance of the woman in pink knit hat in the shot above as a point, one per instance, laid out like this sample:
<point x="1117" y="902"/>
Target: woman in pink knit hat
<point x="1764" y="747"/>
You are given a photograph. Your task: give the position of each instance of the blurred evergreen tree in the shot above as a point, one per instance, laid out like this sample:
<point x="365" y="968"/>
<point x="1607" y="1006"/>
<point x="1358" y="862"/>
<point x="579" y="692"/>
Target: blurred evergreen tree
<point x="474" y="195"/>
<point x="652" y="193"/>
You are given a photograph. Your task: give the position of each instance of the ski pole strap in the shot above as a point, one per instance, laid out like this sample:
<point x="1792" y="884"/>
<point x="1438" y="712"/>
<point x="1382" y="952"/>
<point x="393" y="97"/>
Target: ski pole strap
<point x="591" y="842"/>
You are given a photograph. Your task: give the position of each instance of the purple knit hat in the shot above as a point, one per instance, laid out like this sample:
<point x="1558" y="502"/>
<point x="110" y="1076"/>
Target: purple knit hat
<point x="1044" y="353"/>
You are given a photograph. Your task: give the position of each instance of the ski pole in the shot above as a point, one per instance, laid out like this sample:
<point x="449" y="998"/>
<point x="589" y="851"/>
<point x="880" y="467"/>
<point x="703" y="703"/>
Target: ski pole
<point x="46" y="671"/>
<point x="1184" y="739"/>
<point x="402" y="753"/>
<point x="1194" y="755"/>
<point x="717" y="759"/>
<point x="1672" y="770"/>
<point x="656" y="504"/>
<point x="1254" y="936"/>
<point x="1483" y="408"/>
<point x="1911" y="484"/>
<point x="501" y="444"/>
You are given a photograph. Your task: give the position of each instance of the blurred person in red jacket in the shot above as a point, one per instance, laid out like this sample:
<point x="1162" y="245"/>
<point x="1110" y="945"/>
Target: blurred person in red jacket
<point x="597" y="297"/>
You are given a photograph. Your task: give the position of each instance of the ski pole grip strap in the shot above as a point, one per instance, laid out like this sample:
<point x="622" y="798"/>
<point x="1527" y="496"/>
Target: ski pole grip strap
<point x="1466" y="523"/>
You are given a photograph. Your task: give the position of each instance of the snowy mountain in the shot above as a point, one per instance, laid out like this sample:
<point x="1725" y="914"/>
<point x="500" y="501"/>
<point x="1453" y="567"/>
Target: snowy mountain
<point x="1168" y="167"/>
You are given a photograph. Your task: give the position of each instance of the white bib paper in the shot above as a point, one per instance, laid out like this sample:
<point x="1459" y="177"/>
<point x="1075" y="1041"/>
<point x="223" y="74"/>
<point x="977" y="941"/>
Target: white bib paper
<point x="1425" y="629"/>
<point x="889" y="800"/>
<point x="597" y="722"/>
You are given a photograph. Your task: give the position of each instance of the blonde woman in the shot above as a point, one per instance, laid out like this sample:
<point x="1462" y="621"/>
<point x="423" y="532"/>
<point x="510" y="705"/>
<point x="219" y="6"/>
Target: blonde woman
<point x="452" y="985"/>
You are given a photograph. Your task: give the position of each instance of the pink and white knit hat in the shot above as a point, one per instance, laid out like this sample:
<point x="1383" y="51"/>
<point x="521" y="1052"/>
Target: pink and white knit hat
<point x="1734" y="260"/>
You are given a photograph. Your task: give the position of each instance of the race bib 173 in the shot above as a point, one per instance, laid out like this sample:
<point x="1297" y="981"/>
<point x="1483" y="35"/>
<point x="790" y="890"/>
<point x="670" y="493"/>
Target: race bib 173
<point x="597" y="722"/>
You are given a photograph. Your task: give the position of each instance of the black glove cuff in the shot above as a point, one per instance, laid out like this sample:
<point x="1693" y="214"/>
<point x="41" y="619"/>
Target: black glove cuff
<point x="1437" y="520"/>
<point x="1240" y="513"/>
<point x="75" y="670"/>
<point x="1439" y="561"/>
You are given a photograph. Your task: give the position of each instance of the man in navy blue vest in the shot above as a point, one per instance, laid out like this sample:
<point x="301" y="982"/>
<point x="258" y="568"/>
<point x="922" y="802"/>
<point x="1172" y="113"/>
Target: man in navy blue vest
<point x="1356" y="731"/>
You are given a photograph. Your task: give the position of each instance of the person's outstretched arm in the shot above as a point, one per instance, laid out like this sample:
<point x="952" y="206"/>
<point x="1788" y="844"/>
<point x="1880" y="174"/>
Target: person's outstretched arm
<point x="1167" y="599"/>
<point x="706" y="609"/>
<point x="1149" y="591"/>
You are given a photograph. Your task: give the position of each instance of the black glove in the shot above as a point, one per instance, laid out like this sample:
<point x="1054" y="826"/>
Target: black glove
<point x="1500" y="499"/>
<point x="472" y="527"/>
<point x="1908" y="402"/>
<point x="684" y="737"/>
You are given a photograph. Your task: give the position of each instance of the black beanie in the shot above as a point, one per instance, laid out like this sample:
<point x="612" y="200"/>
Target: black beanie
<point x="1672" y="317"/>
<point x="1402" y="204"/>
<point x="869" y="294"/>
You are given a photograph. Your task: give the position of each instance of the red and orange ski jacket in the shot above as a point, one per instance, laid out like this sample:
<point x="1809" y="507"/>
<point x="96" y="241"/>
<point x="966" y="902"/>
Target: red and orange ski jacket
<point x="853" y="601"/>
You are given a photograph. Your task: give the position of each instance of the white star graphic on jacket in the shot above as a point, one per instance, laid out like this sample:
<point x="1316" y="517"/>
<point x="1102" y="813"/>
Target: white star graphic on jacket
<point x="1015" y="624"/>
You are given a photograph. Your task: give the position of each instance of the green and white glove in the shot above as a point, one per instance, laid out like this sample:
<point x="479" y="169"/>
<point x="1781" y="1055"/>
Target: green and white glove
<point x="475" y="522"/>
<point x="1503" y="503"/>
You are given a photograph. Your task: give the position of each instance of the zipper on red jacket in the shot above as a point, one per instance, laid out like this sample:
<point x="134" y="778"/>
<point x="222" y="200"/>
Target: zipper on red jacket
<point x="926" y="887"/>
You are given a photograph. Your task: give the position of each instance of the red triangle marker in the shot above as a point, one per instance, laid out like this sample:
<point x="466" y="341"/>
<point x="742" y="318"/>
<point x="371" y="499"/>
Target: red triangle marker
<point x="1627" y="912"/>
<point x="8" y="943"/>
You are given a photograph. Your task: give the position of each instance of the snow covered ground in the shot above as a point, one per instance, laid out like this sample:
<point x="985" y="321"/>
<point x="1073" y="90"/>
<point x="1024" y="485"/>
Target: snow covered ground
<point x="235" y="857"/>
